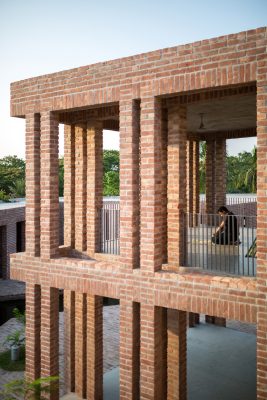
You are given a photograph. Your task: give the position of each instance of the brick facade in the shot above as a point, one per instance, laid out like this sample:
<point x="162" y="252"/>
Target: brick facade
<point x="148" y="96"/>
<point x="13" y="232"/>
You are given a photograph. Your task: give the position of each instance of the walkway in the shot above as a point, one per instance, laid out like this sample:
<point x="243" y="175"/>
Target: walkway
<point x="221" y="361"/>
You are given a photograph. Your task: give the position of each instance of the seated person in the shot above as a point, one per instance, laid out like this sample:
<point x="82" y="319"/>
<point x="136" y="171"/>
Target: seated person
<point x="227" y="231"/>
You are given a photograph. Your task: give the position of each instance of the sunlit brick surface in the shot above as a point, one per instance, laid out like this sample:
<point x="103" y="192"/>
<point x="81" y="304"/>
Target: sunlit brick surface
<point x="147" y="97"/>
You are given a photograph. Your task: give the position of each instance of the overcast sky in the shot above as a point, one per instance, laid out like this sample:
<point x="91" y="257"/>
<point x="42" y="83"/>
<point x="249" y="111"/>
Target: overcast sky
<point x="39" y="37"/>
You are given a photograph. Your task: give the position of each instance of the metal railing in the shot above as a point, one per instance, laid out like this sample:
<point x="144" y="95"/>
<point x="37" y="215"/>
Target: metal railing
<point x="232" y="250"/>
<point x="239" y="205"/>
<point x="110" y="228"/>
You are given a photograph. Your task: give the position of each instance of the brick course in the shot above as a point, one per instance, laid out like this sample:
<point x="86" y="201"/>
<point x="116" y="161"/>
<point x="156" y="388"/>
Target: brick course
<point x="149" y="92"/>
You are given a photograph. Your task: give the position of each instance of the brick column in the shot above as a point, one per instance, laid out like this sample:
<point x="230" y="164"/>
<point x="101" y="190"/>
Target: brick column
<point x="151" y="185"/>
<point x="189" y="170"/>
<point x="50" y="334"/>
<point x="80" y="344"/>
<point x="193" y="180"/>
<point x="261" y="232"/>
<point x="49" y="186"/>
<point x="33" y="184"/>
<point x="176" y="355"/>
<point x="129" y="183"/>
<point x="32" y="332"/>
<point x="80" y="187"/>
<point x="164" y="176"/>
<point x="69" y="340"/>
<point x="69" y="185"/>
<point x="94" y="347"/>
<point x="196" y="176"/>
<point x="176" y="184"/>
<point x="94" y="185"/>
<point x="220" y="173"/>
<point x="210" y="177"/>
<point x="153" y="353"/>
<point x="129" y="350"/>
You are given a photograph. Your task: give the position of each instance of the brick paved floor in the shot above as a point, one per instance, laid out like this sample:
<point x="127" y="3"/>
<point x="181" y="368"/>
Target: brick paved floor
<point x="111" y="343"/>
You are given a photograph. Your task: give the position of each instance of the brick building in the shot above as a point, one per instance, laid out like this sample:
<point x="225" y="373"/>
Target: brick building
<point x="12" y="232"/>
<point x="156" y="101"/>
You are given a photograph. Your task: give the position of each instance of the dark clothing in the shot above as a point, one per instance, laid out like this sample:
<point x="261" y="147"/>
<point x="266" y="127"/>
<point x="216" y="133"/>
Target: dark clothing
<point x="228" y="234"/>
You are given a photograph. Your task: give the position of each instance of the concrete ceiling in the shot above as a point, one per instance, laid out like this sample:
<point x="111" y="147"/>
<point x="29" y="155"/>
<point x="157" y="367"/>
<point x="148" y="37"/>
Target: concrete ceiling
<point x="228" y="113"/>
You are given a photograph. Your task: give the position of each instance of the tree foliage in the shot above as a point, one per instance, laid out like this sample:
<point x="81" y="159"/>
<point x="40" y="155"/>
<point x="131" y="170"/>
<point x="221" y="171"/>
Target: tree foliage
<point x="241" y="171"/>
<point x="111" y="173"/>
<point x="12" y="177"/>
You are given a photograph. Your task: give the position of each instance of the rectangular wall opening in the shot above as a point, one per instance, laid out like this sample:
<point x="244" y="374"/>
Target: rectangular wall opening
<point x="111" y="346"/>
<point x="3" y="251"/>
<point x="221" y="359"/>
<point x="20" y="236"/>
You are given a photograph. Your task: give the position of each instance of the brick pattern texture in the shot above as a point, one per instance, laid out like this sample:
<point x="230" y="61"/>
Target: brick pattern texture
<point x="146" y="96"/>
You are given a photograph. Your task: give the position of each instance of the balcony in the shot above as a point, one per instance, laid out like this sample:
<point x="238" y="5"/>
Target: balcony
<point x="237" y="258"/>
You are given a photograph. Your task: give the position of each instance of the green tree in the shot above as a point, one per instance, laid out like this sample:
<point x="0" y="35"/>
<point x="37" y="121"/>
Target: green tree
<point x="61" y="176"/>
<point x="111" y="160"/>
<point x="111" y="177"/>
<point x="12" y="176"/>
<point x="111" y="183"/>
<point x="202" y="166"/>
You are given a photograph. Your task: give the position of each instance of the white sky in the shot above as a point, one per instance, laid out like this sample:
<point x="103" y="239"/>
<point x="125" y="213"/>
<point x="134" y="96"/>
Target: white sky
<point x="43" y="36"/>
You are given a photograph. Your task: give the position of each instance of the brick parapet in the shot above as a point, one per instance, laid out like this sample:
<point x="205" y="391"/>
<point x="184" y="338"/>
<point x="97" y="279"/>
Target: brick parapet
<point x="224" y="296"/>
<point x="213" y="62"/>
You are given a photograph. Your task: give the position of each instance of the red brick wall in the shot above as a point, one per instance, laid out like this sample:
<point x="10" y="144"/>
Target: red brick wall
<point x="220" y="66"/>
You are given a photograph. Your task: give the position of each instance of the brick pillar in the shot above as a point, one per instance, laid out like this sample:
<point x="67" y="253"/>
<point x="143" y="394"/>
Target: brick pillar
<point x="69" y="340"/>
<point x="261" y="233"/>
<point x="33" y="184"/>
<point x="129" y="183"/>
<point x="69" y="185"/>
<point x="80" y="187"/>
<point x="196" y="176"/>
<point x="50" y="334"/>
<point x="176" y="355"/>
<point x="176" y="184"/>
<point x="153" y="366"/>
<point x="189" y="170"/>
<point x="129" y="350"/>
<point x="94" y="347"/>
<point x="49" y="186"/>
<point x="32" y="333"/>
<point x="220" y="173"/>
<point x="164" y="173"/>
<point x="210" y="177"/>
<point x="11" y="244"/>
<point x="94" y="185"/>
<point x="151" y="185"/>
<point x="80" y="344"/>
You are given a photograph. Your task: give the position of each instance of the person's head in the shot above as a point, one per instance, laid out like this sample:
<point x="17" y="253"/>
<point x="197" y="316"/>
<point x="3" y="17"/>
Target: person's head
<point x="222" y="210"/>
